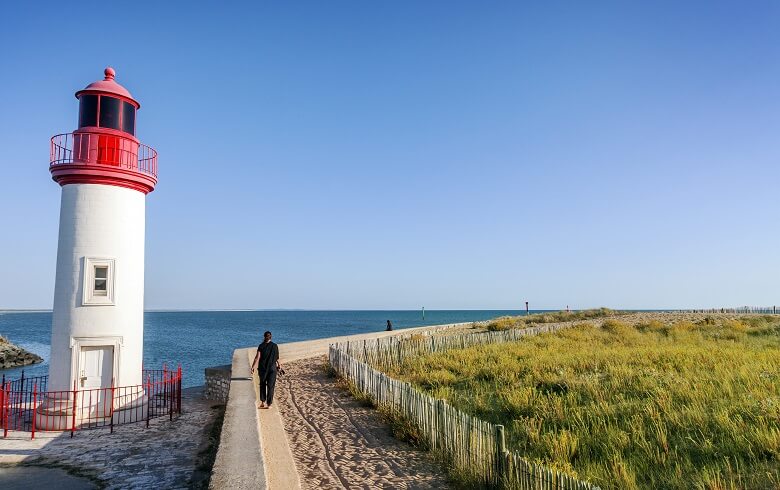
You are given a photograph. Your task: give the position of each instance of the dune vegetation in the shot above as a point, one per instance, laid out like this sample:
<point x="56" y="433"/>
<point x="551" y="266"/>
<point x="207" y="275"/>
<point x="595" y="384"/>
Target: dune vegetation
<point x="507" y="322"/>
<point x="655" y="404"/>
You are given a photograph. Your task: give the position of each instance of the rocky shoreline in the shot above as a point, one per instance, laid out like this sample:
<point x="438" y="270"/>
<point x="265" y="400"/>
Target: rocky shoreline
<point x="12" y="356"/>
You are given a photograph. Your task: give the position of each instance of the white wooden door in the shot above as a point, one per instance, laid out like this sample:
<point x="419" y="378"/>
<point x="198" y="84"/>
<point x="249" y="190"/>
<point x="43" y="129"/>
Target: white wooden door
<point x="96" y="368"/>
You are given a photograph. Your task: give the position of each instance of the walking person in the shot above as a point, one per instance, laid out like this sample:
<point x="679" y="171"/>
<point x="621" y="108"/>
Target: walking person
<point x="267" y="362"/>
<point x="389" y="326"/>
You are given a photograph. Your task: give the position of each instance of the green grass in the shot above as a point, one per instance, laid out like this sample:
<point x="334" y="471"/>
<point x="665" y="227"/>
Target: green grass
<point x="507" y="322"/>
<point x="655" y="405"/>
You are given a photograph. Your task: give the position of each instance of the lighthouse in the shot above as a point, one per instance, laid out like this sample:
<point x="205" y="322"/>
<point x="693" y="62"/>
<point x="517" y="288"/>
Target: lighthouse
<point x="105" y="173"/>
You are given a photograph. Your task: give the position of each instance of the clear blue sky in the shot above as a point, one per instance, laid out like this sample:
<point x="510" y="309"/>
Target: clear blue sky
<point x="406" y="154"/>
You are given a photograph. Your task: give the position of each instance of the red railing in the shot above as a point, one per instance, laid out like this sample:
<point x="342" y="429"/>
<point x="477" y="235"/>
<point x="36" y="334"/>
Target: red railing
<point x="102" y="149"/>
<point x="29" y="408"/>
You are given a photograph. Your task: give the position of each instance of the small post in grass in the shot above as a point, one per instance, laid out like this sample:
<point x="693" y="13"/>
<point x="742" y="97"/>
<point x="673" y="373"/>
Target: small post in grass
<point x="500" y="453"/>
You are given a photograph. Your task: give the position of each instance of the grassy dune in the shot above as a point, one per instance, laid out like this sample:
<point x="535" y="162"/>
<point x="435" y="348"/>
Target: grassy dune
<point x="675" y="404"/>
<point x="507" y="322"/>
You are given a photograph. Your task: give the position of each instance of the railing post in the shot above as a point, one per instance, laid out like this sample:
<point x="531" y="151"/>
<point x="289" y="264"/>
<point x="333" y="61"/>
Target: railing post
<point x="169" y="398"/>
<point x="148" y="399"/>
<point x="2" y="402"/>
<point x="75" y="404"/>
<point x="5" y="408"/>
<point x="34" y="408"/>
<point x="178" y="392"/>
<point x="165" y="384"/>
<point x="500" y="455"/>
<point x="111" y="412"/>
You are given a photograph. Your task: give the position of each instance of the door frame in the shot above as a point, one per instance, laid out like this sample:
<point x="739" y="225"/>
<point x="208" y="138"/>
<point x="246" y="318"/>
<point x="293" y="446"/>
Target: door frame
<point x="76" y="343"/>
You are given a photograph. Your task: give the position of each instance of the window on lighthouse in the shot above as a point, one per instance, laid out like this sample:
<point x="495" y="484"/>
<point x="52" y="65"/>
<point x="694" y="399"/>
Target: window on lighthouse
<point x="101" y="281"/>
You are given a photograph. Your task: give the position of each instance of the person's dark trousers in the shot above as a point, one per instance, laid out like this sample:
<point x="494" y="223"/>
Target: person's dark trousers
<point x="267" y="385"/>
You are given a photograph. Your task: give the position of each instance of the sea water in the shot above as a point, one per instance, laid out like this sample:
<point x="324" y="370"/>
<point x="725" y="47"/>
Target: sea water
<point x="200" y="339"/>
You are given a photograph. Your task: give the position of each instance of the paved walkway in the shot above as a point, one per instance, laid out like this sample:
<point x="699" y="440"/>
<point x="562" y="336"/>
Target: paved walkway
<point x="166" y="455"/>
<point x="36" y="478"/>
<point x="338" y="443"/>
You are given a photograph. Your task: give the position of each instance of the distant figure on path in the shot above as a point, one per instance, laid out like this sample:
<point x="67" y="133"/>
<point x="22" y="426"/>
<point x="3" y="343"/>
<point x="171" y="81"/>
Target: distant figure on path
<point x="267" y="358"/>
<point x="389" y="326"/>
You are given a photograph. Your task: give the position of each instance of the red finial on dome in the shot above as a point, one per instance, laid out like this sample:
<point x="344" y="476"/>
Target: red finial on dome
<point x="108" y="86"/>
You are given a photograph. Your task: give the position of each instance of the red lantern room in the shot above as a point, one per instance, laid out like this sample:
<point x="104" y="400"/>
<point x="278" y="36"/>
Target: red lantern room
<point x="104" y="149"/>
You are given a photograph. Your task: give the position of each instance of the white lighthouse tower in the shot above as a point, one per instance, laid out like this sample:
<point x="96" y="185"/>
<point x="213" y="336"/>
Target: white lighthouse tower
<point x="105" y="174"/>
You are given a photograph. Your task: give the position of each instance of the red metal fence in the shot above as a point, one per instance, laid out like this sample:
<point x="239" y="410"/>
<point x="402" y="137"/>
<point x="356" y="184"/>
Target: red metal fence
<point x="102" y="149"/>
<point x="25" y="405"/>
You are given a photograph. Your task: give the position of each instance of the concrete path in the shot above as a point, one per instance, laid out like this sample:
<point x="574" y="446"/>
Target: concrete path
<point x="36" y="478"/>
<point x="237" y="465"/>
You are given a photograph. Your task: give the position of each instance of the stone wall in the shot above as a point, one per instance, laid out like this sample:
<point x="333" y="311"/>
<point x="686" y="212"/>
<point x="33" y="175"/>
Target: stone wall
<point x="218" y="383"/>
<point x="12" y="356"/>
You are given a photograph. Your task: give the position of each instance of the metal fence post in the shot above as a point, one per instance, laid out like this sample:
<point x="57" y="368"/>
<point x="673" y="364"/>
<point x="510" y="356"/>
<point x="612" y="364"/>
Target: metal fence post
<point x="75" y="404"/>
<point x="148" y="399"/>
<point x="34" y="408"/>
<point x="169" y="399"/>
<point x="178" y="394"/>
<point x="111" y="411"/>
<point x="5" y="408"/>
<point x="2" y="402"/>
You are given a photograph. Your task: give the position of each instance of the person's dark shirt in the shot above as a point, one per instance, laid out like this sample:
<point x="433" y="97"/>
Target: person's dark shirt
<point x="269" y="354"/>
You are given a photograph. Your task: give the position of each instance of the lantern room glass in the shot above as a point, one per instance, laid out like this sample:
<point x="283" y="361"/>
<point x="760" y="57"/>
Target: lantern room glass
<point x="88" y="110"/>
<point x="109" y="112"/>
<point x="106" y="112"/>
<point x="128" y="117"/>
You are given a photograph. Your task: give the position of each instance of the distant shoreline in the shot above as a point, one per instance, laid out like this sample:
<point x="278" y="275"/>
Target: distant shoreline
<point x="289" y="309"/>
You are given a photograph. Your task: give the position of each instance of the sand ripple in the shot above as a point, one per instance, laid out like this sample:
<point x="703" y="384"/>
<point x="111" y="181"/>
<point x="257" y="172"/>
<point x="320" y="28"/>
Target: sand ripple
<point x="337" y="443"/>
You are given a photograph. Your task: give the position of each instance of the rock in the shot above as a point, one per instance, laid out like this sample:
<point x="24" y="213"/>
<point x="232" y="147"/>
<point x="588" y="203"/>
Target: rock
<point x="13" y="356"/>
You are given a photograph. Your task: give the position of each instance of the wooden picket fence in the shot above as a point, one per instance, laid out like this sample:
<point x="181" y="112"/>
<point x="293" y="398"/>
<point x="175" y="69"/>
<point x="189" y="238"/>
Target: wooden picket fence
<point x="470" y="445"/>
<point x="757" y="310"/>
